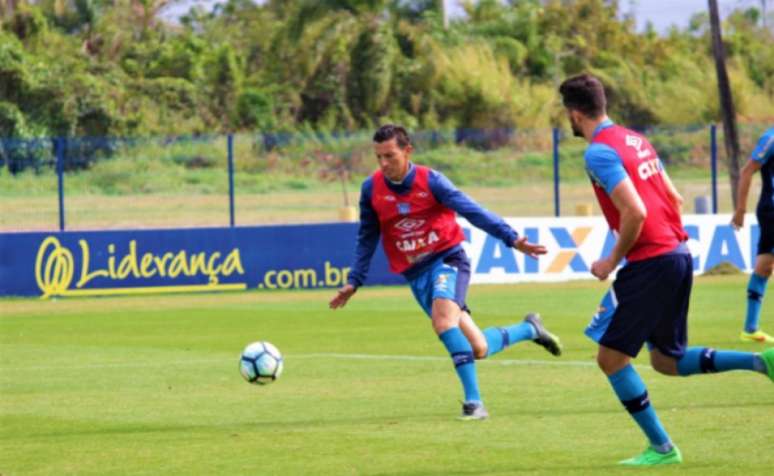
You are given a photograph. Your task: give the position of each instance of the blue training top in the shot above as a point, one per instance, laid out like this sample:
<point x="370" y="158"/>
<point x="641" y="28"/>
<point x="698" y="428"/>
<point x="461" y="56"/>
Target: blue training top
<point x="603" y="164"/>
<point x="764" y="155"/>
<point x="447" y="195"/>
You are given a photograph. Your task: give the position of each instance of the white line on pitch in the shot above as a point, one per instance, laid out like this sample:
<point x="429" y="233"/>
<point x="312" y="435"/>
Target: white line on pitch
<point x="421" y="358"/>
<point x="291" y="357"/>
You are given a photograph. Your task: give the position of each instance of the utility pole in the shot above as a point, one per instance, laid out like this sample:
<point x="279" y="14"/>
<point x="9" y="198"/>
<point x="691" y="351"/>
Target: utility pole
<point x="731" y="133"/>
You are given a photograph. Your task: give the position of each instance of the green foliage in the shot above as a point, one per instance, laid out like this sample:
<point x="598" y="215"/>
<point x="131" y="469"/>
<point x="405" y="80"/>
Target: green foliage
<point x="99" y="67"/>
<point x="15" y="78"/>
<point x="372" y="66"/>
<point x="256" y="109"/>
<point x="12" y="123"/>
<point x="28" y="23"/>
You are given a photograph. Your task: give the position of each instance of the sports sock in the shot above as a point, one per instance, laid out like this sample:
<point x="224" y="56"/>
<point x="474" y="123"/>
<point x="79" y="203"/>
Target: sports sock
<point x="698" y="360"/>
<point x="756" y="288"/>
<point x="630" y="389"/>
<point x="462" y="355"/>
<point x="499" y="338"/>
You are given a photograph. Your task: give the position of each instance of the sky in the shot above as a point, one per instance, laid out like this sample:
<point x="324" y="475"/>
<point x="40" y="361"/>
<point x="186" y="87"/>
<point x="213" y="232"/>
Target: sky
<point x="661" y="13"/>
<point x="665" y="13"/>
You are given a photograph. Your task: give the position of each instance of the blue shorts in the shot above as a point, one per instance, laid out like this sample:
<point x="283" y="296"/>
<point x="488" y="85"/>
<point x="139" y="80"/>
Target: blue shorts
<point x="766" y="240"/>
<point x="648" y="302"/>
<point x="446" y="278"/>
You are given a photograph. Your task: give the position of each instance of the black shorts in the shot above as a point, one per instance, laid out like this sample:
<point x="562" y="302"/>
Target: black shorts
<point x="766" y="238"/>
<point x="648" y="302"/>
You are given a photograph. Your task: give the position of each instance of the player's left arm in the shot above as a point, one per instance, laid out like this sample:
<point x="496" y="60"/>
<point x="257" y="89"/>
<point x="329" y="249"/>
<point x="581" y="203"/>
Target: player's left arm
<point x="762" y="153"/>
<point x="672" y="193"/>
<point x="742" y="192"/>
<point x="451" y="197"/>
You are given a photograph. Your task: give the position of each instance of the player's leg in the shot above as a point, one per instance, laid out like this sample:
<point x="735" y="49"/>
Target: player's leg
<point x="669" y="353"/>
<point x="474" y="335"/>
<point x="531" y="328"/>
<point x="702" y="360"/>
<point x="443" y="297"/>
<point x="631" y="391"/>
<point x="756" y="288"/>
<point x="621" y="326"/>
<point x="446" y="318"/>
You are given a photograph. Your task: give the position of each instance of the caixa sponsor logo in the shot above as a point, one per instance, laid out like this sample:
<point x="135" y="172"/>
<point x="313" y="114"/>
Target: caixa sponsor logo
<point x="572" y="249"/>
<point x="636" y="143"/>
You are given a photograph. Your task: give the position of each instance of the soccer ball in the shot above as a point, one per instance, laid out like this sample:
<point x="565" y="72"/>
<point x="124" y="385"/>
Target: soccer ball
<point x="261" y="363"/>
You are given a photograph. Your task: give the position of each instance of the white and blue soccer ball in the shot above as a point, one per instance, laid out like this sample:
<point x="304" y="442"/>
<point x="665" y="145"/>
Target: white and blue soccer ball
<point x="261" y="363"/>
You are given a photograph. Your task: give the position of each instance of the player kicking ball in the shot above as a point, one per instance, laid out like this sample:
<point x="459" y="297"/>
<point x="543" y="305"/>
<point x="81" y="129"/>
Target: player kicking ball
<point x="648" y="301"/>
<point x="413" y="209"/>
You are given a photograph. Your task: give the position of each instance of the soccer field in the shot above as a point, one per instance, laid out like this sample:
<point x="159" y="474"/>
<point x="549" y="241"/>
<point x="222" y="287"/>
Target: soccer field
<point x="150" y="385"/>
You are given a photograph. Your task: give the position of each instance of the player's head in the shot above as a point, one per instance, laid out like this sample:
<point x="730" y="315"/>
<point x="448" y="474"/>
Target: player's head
<point x="584" y="97"/>
<point x="392" y="145"/>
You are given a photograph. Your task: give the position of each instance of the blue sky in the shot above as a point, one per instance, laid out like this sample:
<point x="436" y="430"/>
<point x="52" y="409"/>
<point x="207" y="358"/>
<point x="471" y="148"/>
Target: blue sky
<point x="665" y="13"/>
<point x="662" y="13"/>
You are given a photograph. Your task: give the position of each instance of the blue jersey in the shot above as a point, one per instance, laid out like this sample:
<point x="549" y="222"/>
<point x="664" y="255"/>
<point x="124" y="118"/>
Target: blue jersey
<point x="764" y="155"/>
<point x="447" y="195"/>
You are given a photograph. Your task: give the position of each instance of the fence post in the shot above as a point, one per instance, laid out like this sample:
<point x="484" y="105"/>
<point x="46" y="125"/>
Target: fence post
<point x="714" y="166"/>
<point x="230" y="142"/>
<point x="556" y="171"/>
<point x="59" y="151"/>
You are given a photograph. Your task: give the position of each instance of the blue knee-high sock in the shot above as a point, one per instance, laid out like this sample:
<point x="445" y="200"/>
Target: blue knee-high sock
<point x="756" y="288"/>
<point x="702" y="360"/>
<point x="462" y="354"/>
<point x="632" y="392"/>
<point x="499" y="338"/>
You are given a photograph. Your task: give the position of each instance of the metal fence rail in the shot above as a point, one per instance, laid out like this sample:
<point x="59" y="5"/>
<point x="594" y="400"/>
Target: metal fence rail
<point x="253" y="178"/>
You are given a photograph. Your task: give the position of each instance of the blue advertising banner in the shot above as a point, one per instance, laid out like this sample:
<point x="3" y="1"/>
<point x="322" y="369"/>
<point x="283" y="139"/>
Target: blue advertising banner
<point x="314" y="256"/>
<point x="181" y="260"/>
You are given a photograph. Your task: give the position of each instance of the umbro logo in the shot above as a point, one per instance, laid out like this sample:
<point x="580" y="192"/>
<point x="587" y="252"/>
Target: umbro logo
<point x="409" y="224"/>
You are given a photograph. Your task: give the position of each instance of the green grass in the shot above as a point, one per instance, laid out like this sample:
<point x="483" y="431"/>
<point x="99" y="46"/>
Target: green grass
<point x="151" y="386"/>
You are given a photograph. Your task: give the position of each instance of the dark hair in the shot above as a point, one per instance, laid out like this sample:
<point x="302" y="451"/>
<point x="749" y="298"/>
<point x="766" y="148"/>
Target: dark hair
<point x="389" y="131"/>
<point x="584" y="93"/>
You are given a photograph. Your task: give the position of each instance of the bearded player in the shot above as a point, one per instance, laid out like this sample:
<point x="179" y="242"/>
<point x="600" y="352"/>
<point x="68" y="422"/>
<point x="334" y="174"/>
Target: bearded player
<point x="648" y="301"/>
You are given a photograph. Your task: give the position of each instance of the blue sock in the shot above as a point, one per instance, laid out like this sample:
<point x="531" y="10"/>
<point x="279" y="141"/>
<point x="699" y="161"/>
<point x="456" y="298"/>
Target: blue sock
<point x="462" y="354"/>
<point x="756" y="288"/>
<point x="702" y="360"/>
<point x="499" y="338"/>
<point x="632" y="392"/>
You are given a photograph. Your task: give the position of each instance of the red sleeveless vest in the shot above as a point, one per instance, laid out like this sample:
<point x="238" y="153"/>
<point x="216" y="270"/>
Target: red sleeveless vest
<point x="663" y="229"/>
<point x="413" y="225"/>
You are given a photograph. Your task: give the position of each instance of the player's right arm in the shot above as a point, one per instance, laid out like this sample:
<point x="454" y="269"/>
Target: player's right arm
<point x="367" y="240"/>
<point x="606" y="169"/>
<point x="633" y="214"/>
<point x="451" y="197"/>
